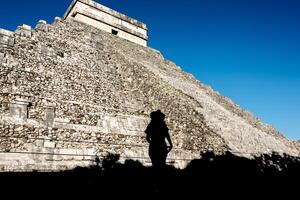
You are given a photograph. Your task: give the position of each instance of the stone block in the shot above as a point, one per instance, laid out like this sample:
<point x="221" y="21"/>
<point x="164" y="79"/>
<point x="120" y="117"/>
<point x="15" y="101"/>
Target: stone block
<point x="79" y="155"/>
<point x="24" y="31"/>
<point x="62" y="121"/>
<point x="1" y="57"/>
<point x="90" y="152"/>
<point x="70" y="152"/>
<point x="57" y="158"/>
<point x="42" y="26"/>
<point x="48" y="154"/>
<point x="103" y="124"/>
<point x="7" y="38"/>
<point x="6" y="32"/>
<point x="57" y="19"/>
<point x="11" y="41"/>
<point x="134" y="133"/>
<point x="132" y="126"/>
<point x="122" y="125"/>
<point x="39" y="143"/>
<point x="49" y="115"/>
<point x="114" y="125"/>
<point x="49" y="144"/>
<point x="4" y="40"/>
<point x="19" y="108"/>
<point x="143" y="125"/>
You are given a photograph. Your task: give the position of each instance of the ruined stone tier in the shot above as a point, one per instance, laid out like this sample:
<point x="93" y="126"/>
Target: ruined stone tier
<point x="99" y="16"/>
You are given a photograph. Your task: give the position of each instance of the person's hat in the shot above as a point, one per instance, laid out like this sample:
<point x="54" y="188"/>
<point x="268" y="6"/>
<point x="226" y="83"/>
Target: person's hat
<point x="157" y="115"/>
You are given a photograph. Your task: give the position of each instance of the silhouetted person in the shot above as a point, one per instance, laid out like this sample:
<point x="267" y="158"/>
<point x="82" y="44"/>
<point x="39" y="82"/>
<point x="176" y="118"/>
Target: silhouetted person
<point x="157" y="132"/>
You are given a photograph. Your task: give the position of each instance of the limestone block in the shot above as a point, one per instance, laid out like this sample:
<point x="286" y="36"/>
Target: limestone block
<point x="48" y="154"/>
<point x="103" y="124"/>
<point x="48" y="144"/>
<point x="89" y="151"/>
<point x="1" y="57"/>
<point x="114" y="125"/>
<point x="19" y="108"/>
<point x="132" y="124"/>
<point x="50" y="115"/>
<point x="133" y="132"/>
<point x="79" y="155"/>
<point x="143" y="125"/>
<point x="24" y="31"/>
<point x="61" y="123"/>
<point x="57" y="19"/>
<point x="39" y="143"/>
<point x="123" y="126"/>
<point x="57" y="158"/>
<point x="7" y="38"/>
<point x="42" y="26"/>
<point x="68" y="154"/>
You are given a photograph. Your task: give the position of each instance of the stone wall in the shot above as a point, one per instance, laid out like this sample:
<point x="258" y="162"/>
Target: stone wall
<point x="28" y="145"/>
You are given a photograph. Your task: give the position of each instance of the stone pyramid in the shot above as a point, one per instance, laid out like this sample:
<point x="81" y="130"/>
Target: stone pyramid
<point x="71" y="92"/>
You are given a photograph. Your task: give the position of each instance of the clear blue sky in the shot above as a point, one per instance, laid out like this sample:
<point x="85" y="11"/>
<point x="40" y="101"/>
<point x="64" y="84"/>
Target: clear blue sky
<point x="248" y="50"/>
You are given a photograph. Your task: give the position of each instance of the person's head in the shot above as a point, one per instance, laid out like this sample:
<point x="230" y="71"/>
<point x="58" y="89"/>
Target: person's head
<point x="157" y="115"/>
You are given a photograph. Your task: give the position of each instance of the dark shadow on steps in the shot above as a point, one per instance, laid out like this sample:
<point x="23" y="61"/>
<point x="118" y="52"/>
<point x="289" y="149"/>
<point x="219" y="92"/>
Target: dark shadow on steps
<point x="213" y="175"/>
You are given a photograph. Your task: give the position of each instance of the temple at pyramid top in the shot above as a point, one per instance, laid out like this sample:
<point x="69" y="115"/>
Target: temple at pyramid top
<point x="106" y="19"/>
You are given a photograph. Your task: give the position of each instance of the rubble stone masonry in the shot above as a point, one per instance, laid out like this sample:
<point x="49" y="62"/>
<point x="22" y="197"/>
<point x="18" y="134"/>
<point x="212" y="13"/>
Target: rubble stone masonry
<point x="70" y="92"/>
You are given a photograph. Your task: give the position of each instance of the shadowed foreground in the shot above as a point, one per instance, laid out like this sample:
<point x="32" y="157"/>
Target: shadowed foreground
<point x="211" y="175"/>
